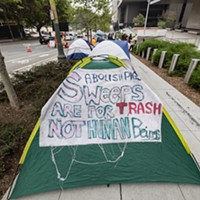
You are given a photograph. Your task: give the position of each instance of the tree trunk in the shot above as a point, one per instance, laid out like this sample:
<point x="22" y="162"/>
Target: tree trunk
<point x="14" y="102"/>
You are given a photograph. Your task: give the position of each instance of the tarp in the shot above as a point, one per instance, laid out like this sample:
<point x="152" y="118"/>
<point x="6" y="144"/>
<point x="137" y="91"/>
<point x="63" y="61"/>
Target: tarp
<point x="59" y="167"/>
<point x="79" y="49"/>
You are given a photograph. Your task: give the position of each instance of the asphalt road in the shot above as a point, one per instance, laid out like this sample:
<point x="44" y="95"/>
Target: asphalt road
<point x="18" y="59"/>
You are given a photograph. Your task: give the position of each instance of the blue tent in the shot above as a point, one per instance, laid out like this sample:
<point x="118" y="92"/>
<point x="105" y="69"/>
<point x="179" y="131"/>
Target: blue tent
<point x="79" y="49"/>
<point x="101" y="33"/>
<point x="123" y="45"/>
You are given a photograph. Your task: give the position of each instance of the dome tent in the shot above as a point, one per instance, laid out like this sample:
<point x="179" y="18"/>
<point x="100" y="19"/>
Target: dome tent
<point x="79" y="49"/>
<point x="110" y="47"/>
<point x="145" y="160"/>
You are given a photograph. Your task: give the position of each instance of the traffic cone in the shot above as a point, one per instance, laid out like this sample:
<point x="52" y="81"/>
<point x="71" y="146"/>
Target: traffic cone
<point x="28" y="49"/>
<point x="48" y="45"/>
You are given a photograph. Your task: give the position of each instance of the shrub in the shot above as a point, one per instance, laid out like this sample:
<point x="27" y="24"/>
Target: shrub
<point x="170" y="20"/>
<point x="139" y="20"/>
<point x="153" y="43"/>
<point x="195" y="79"/>
<point x="161" y="24"/>
<point x="185" y="50"/>
<point x="186" y="53"/>
<point x="34" y="88"/>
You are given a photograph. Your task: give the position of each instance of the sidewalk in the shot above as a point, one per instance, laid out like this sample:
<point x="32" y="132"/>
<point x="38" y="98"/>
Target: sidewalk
<point x="187" y="118"/>
<point x="186" y="115"/>
<point x="183" y="111"/>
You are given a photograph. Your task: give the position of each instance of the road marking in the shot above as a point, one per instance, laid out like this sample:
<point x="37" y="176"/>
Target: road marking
<point x="40" y="47"/>
<point x="44" y="55"/>
<point x="21" y="61"/>
<point x="27" y="67"/>
<point x="24" y="57"/>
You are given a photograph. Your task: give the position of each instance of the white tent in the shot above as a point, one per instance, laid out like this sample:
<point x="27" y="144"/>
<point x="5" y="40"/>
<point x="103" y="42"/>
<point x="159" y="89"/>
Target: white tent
<point x="110" y="48"/>
<point x="79" y="49"/>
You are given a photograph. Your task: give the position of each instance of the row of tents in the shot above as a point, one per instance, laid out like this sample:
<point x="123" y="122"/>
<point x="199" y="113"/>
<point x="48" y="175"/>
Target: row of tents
<point x="81" y="48"/>
<point x="103" y="125"/>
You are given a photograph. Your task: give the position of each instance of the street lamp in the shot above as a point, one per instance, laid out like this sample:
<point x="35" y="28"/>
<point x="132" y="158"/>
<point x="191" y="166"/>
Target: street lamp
<point x="150" y="2"/>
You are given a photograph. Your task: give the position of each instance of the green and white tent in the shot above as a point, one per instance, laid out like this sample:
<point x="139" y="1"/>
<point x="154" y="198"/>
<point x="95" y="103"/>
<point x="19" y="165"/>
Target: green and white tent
<point x="103" y="125"/>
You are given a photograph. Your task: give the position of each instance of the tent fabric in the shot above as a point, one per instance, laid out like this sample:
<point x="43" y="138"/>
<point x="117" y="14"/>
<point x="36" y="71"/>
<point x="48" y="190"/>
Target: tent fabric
<point x="100" y="39"/>
<point x="79" y="49"/>
<point x="109" y="47"/>
<point x="100" y="33"/>
<point x="166" y="162"/>
<point x="169" y="161"/>
<point x="123" y="45"/>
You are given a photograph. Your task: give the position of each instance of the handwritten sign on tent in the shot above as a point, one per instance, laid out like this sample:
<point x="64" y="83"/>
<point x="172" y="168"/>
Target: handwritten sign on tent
<point x="101" y="106"/>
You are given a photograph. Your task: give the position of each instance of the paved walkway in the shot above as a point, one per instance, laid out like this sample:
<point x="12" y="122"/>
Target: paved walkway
<point x="184" y="112"/>
<point x="186" y="116"/>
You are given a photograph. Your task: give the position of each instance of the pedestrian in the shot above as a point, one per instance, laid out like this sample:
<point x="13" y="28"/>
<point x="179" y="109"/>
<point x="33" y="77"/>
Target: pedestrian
<point x="133" y="42"/>
<point x="130" y="38"/>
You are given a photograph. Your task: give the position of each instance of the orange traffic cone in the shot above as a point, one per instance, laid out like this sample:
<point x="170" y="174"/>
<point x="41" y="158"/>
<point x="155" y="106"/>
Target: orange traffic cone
<point x="28" y="49"/>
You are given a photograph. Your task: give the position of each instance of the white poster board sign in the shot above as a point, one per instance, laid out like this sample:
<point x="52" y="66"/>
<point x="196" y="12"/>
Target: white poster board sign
<point x="101" y="106"/>
<point x="52" y="43"/>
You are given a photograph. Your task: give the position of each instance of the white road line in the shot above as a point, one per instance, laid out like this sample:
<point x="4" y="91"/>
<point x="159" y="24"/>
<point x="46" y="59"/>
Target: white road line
<point x="24" y="57"/>
<point x="27" y="67"/>
<point x="22" y="61"/>
<point x="44" y="55"/>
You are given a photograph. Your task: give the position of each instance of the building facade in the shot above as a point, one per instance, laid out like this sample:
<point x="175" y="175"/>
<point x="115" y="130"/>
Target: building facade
<point x="185" y="11"/>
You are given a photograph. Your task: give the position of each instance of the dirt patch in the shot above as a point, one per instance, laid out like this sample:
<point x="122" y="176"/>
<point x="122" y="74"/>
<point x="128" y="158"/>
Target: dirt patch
<point x="177" y="82"/>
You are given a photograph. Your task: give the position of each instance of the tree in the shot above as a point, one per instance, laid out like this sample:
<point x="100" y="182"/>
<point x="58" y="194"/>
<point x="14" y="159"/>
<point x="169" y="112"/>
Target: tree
<point x="14" y="102"/>
<point x="139" y="20"/>
<point x="34" y="13"/>
<point x="104" y="20"/>
<point x="9" y="12"/>
<point x="170" y="20"/>
<point x="93" y="15"/>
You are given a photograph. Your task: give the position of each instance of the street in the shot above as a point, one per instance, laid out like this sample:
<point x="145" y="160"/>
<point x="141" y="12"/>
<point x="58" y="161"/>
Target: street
<point x="18" y="59"/>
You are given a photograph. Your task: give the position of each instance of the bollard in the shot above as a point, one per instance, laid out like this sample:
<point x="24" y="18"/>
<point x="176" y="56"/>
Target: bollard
<point x="142" y="54"/>
<point x="154" y="51"/>
<point x="137" y="48"/>
<point x="173" y="63"/>
<point x="162" y="58"/>
<point x="192" y="66"/>
<point x="148" y="53"/>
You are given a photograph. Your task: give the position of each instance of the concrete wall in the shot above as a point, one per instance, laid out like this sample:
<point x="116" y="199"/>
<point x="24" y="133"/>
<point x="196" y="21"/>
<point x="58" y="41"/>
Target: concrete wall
<point x="133" y="11"/>
<point x="186" y="14"/>
<point x="194" y="16"/>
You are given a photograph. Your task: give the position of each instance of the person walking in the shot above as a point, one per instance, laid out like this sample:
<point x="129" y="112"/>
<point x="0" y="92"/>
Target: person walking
<point x="130" y="38"/>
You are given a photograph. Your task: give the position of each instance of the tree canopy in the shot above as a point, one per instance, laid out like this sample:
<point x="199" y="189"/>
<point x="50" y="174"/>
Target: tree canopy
<point x="139" y="20"/>
<point x="34" y="13"/>
<point x="87" y="14"/>
<point x="92" y="14"/>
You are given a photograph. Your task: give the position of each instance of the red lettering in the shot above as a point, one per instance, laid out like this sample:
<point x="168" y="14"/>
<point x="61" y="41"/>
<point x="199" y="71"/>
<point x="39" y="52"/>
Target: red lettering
<point x="157" y="108"/>
<point x="140" y="108"/>
<point x="121" y="107"/>
<point x="148" y="106"/>
<point x="132" y="107"/>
